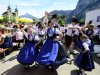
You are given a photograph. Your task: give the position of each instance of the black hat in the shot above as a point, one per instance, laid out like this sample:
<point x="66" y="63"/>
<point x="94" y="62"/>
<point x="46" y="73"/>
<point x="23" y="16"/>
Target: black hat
<point x="90" y="22"/>
<point x="54" y="16"/>
<point x="40" y="26"/>
<point x="75" y="20"/>
<point x="49" y="21"/>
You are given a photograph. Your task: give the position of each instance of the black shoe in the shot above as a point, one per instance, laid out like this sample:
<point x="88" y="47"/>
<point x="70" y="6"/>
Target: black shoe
<point x="27" y="67"/>
<point x="49" y="67"/>
<point x="46" y="67"/>
<point x="68" y="56"/>
<point x="80" y="73"/>
<point x="52" y="69"/>
<point x="36" y="66"/>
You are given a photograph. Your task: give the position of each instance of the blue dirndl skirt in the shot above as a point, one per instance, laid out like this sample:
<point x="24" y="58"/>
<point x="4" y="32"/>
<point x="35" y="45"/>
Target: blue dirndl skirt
<point x="28" y="54"/>
<point x="51" y="53"/>
<point x="85" y="61"/>
<point x="79" y="44"/>
<point x="91" y="46"/>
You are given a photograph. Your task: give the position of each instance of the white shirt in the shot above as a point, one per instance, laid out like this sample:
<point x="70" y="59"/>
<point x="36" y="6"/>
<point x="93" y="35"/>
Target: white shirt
<point x="3" y="36"/>
<point x="69" y="30"/>
<point x="55" y="23"/>
<point x="45" y="29"/>
<point x="19" y="35"/>
<point x="41" y="32"/>
<point x="36" y="37"/>
<point x="62" y="29"/>
<point x="86" y="46"/>
<point x="36" y="29"/>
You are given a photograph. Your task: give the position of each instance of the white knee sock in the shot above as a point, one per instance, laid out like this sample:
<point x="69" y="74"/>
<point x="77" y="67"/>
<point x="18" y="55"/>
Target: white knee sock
<point x="83" y="72"/>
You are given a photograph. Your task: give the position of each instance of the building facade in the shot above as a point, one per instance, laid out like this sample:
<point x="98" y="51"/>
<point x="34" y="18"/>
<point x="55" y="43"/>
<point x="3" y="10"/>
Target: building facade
<point x="9" y="15"/>
<point x="93" y="15"/>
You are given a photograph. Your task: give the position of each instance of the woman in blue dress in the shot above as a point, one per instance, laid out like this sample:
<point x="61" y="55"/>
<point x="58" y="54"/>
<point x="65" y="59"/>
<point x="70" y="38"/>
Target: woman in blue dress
<point x="28" y="53"/>
<point x="51" y="53"/>
<point x="89" y="32"/>
<point x="84" y="60"/>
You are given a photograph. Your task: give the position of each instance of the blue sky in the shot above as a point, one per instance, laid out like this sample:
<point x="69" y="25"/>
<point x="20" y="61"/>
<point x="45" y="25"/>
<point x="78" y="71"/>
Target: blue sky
<point x="37" y="7"/>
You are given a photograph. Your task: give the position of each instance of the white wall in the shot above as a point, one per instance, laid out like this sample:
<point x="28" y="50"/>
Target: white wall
<point x="92" y="15"/>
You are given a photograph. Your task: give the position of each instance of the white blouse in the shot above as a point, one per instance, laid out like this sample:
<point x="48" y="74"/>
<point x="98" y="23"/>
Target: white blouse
<point x="19" y="35"/>
<point x="3" y="36"/>
<point x="86" y="46"/>
<point x="57" y="31"/>
<point x="41" y="32"/>
<point x="69" y="30"/>
<point x="36" y="37"/>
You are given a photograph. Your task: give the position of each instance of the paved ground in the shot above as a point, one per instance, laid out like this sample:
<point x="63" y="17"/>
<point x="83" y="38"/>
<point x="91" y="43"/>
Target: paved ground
<point x="10" y="66"/>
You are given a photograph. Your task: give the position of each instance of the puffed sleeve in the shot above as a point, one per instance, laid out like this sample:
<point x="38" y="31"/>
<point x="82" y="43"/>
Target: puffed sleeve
<point x="36" y="38"/>
<point x="46" y="29"/>
<point x="3" y="36"/>
<point x="43" y="32"/>
<point x="80" y="27"/>
<point x="86" y="46"/>
<point x="58" y="31"/>
<point x="26" y="34"/>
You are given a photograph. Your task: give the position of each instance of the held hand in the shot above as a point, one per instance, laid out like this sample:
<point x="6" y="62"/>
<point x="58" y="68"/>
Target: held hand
<point x="85" y="51"/>
<point x="78" y="28"/>
<point x="70" y="27"/>
<point x="22" y="29"/>
<point x="56" y="39"/>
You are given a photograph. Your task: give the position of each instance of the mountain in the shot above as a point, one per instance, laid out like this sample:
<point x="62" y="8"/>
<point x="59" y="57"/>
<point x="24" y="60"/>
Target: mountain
<point x="82" y="7"/>
<point x="27" y="15"/>
<point x="61" y="12"/>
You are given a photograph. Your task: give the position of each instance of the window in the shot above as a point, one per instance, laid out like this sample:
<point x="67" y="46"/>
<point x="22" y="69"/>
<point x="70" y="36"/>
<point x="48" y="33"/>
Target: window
<point x="98" y="18"/>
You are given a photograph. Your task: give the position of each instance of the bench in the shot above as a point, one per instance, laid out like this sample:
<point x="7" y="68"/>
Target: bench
<point x="2" y="52"/>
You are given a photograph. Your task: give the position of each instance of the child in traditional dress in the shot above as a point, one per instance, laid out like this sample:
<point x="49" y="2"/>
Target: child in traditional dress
<point x="84" y="60"/>
<point x="28" y="53"/>
<point x="89" y="32"/>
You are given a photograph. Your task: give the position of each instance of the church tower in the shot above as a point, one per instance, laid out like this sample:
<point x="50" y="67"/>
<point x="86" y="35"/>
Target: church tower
<point x="9" y="13"/>
<point x="16" y="14"/>
<point x="10" y="16"/>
